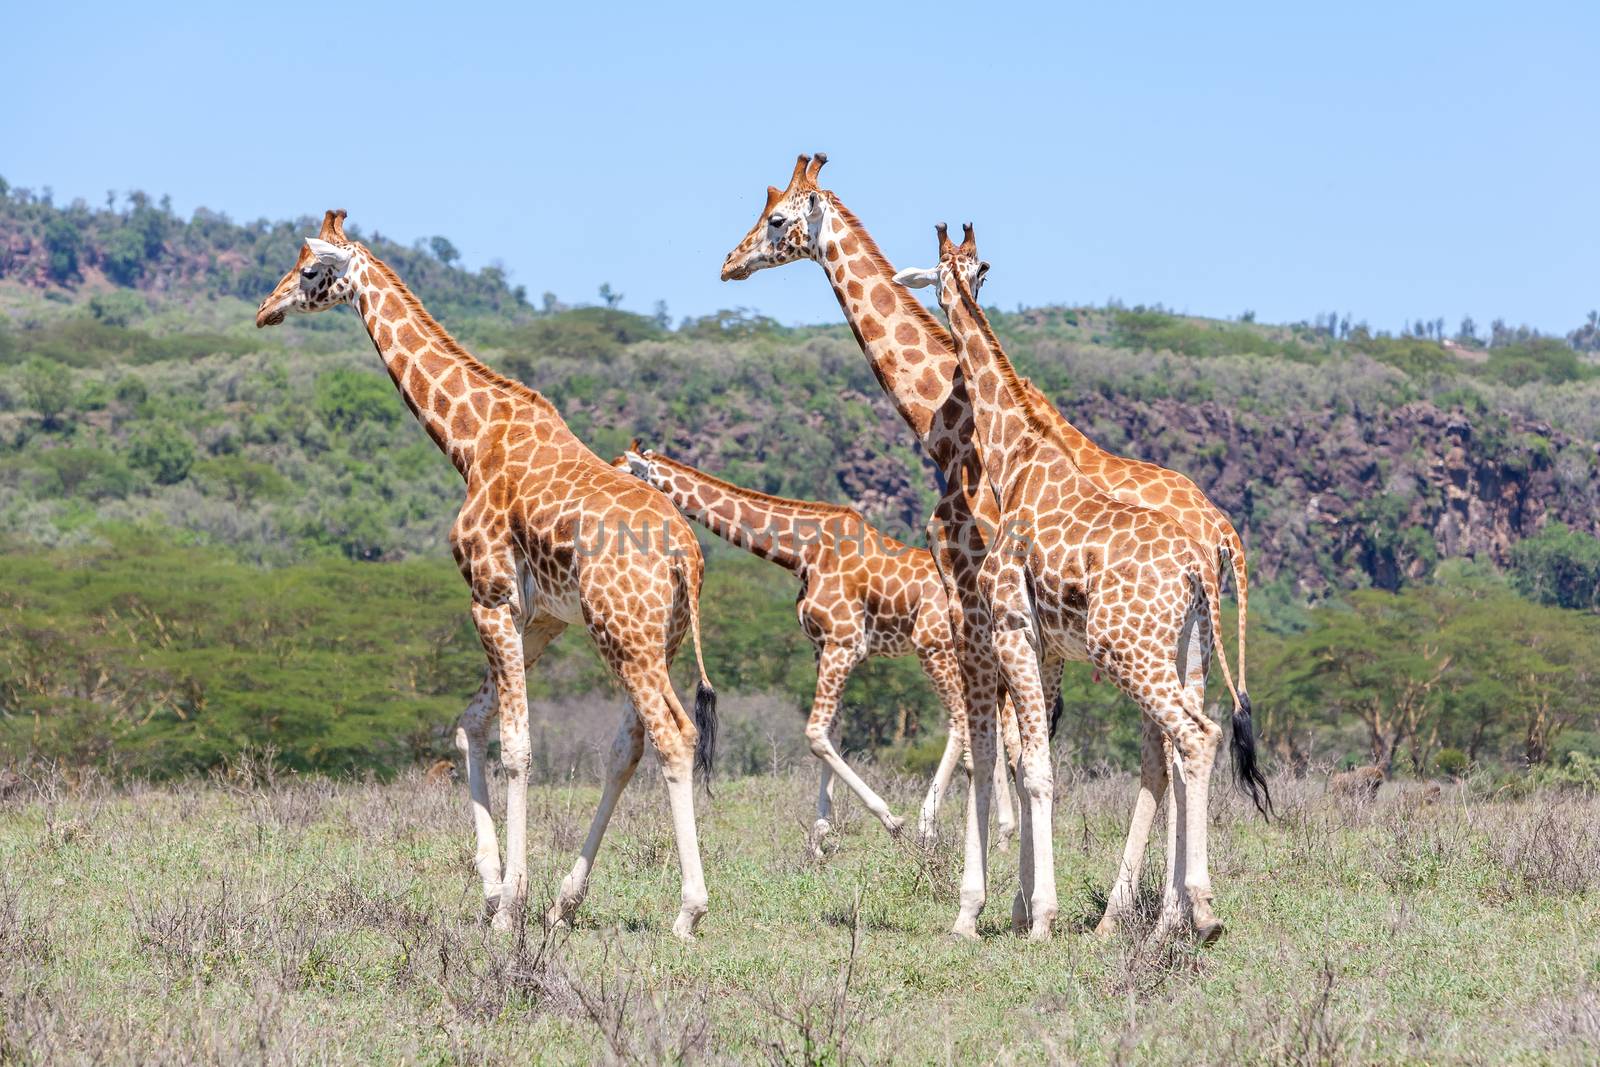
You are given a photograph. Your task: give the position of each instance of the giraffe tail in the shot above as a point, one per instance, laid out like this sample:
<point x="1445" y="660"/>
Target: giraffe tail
<point x="1246" y="764"/>
<point x="1233" y="548"/>
<point x="705" y="697"/>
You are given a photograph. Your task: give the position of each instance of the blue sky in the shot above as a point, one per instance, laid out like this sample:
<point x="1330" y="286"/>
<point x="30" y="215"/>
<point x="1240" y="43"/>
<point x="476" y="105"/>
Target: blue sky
<point x="1393" y="160"/>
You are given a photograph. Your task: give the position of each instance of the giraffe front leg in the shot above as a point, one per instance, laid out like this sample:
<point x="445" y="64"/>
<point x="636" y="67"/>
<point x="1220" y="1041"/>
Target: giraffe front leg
<point x="1019" y="667"/>
<point x="833" y="670"/>
<point x="1152" y="787"/>
<point x="824" y="822"/>
<point x="943" y="672"/>
<point x="472" y="739"/>
<point x="1008" y="811"/>
<point x="496" y="622"/>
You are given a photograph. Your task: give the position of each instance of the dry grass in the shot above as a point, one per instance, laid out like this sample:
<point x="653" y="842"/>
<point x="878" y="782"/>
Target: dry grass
<point x="260" y="918"/>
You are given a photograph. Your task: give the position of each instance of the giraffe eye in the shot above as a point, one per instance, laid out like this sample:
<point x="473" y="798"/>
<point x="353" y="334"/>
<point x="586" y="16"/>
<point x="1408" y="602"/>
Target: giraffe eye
<point x="776" y="220"/>
<point x="309" y="273"/>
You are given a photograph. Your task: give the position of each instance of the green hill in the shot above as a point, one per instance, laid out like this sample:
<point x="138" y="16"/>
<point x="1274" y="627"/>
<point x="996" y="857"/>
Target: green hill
<point x="154" y="444"/>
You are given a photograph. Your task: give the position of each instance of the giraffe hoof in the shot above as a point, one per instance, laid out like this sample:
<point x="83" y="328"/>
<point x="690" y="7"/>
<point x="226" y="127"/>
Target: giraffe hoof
<point x="683" y="927"/>
<point x="1207" y="927"/>
<point x="503" y="922"/>
<point x="1109" y="924"/>
<point x="965" y="929"/>
<point x="1020" y="922"/>
<point x="894" y="824"/>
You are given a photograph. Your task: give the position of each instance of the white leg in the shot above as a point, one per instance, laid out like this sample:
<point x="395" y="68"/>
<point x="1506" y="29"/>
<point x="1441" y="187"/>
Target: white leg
<point x="833" y="670"/>
<point x="502" y="641"/>
<point x="1008" y="806"/>
<point x="975" y="860"/>
<point x="621" y="760"/>
<point x="472" y="739"/>
<point x="944" y="672"/>
<point x="824" y="822"/>
<point x="1019" y="664"/>
<point x="1152" y="787"/>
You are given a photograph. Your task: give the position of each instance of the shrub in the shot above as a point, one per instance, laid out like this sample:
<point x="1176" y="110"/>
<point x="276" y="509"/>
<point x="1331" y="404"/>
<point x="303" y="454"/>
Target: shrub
<point x="164" y="451"/>
<point x="1451" y="762"/>
<point x="47" y="385"/>
<point x="346" y="398"/>
<point x="1558" y="565"/>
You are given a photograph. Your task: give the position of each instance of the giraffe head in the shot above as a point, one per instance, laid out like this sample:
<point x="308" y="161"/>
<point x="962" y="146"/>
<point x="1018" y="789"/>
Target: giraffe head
<point x="789" y="226"/>
<point x="320" y="278"/>
<point x="959" y="269"/>
<point x="635" y="461"/>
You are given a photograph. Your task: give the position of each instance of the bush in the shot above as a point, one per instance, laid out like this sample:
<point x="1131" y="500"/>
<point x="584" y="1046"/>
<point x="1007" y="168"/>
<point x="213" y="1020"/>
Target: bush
<point x="1451" y="762"/>
<point x="163" y="451"/>
<point x="346" y="398"/>
<point x="1560" y="566"/>
<point x="90" y="472"/>
<point x="131" y="391"/>
<point x="47" y="385"/>
<point x="117" y="308"/>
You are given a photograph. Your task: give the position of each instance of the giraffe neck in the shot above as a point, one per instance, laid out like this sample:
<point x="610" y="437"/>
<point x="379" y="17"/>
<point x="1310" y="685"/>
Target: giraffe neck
<point x="456" y="398"/>
<point x="1008" y="421"/>
<point x="911" y="354"/>
<point x="786" y="532"/>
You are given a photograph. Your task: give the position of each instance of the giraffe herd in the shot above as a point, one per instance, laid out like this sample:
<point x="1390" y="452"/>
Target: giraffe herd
<point x="1043" y="548"/>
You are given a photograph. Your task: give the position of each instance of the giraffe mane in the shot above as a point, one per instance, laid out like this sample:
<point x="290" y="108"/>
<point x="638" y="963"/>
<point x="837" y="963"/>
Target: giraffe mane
<point x="756" y="494"/>
<point x="446" y="341"/>
<point x="1019" y="389"/>
<point x="869" y="248"/>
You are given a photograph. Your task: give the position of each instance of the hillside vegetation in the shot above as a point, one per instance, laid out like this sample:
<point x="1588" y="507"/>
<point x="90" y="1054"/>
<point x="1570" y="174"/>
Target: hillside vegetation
<point x="218" y="537"/>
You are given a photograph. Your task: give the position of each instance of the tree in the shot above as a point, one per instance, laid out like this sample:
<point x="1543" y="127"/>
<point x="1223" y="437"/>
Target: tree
<point x="1558" y="565"/>
<point x="444" y="251"/>
<point x="1468" y="333"/>
<point x="164" y="452"/>
<point x="608" y="296"/>
<point x="1586" y="338"/>
<point x="346" y="398"/>
<point x="661" y="317"/>
<point x="123" y="256"/>
<point x="1382" y="660"/>
<point x="48" y="388"/>
<point x="63" y="242"/>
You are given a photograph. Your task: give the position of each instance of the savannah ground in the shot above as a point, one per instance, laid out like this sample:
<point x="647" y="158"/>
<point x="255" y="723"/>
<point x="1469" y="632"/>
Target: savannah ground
<point x="251" y="917"/>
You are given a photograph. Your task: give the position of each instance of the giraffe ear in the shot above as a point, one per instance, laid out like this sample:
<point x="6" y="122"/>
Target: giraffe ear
<point x="917" y="277"/>
<point x="814" y="207"/>
<point x="329" y="255"/>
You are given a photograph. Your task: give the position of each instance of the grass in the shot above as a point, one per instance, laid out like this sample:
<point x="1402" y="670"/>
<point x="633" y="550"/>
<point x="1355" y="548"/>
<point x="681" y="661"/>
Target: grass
<point x="262" y="919"/>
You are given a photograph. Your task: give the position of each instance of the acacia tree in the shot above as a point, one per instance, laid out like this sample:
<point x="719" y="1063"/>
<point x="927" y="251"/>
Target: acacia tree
<point x="1382" y="660"/>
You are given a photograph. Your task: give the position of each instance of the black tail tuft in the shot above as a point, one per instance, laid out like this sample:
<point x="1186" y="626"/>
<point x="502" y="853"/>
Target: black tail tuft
<point x="1055" y="715"/>
<point x="1245" y="765"/>
<point x="705" y="721"/>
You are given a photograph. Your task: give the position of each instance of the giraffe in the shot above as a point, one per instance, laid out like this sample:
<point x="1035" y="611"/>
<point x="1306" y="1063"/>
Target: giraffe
<point x="888" y="340"/>
<point x="530" y="543"/>
<point x="862" y="594"/>
<point x="1086" y="576"/>
<point x="914" y="361"/>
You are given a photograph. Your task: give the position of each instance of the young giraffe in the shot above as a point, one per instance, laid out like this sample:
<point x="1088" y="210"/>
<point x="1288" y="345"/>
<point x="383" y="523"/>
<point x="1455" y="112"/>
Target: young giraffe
<point x="1090" y="577"/>
<point x="862" y="594"/>
<point x="913" y="359"/>
<point x="533" y="493"/>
